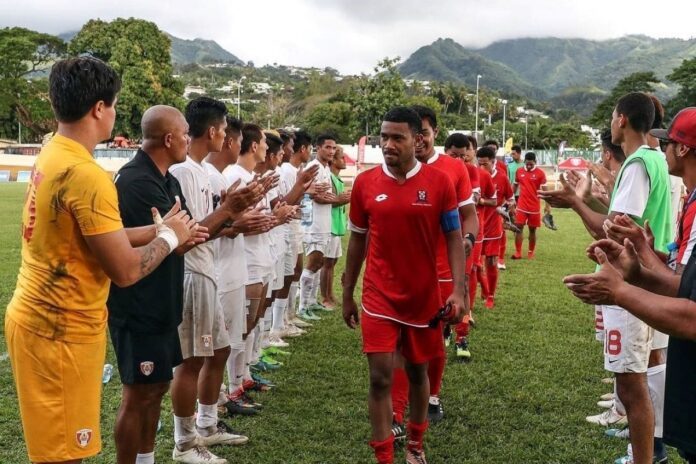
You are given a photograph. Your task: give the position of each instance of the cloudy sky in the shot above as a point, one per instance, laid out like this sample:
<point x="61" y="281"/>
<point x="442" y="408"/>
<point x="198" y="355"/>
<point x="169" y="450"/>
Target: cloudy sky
<point x="352" y="35"/>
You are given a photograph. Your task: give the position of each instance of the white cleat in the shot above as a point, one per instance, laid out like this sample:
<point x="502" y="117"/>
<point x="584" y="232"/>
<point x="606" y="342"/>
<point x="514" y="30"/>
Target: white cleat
<point x="607" y="418"/>
<point x="296" y="321"/>
<point x="196" y="455"/>
<point x="220" y="434"/>
<point x="607" y="397"/>
<point x="608" y="404"/>
<point x="274" y="340"/>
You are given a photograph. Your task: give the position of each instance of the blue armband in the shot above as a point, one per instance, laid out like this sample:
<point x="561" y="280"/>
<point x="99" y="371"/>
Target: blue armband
<point x="449" y="221"/>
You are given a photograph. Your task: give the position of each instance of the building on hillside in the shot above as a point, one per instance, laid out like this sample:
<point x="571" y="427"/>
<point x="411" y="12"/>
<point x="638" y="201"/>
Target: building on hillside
<point x="191" y="89"/>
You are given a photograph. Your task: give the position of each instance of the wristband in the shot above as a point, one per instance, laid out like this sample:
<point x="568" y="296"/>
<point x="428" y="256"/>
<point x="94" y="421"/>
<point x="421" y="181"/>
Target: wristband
<point x="167" y="234"/>
<point x="470" y="237"/>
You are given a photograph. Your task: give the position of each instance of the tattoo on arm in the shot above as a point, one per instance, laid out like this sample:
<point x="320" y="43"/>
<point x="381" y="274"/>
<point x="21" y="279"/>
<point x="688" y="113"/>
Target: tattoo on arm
<point x="151" y="255"/>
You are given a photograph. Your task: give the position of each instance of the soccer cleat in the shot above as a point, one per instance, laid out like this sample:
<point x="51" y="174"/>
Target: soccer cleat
<point x="196" y="455"/>
<point x="607" y="418"/>
<point x="274" y="340"/>
<point x="261" y="385"/>
<point x="530" y="255"/>
<point x="220" y="434"/>
<point x="307" y="314"/>
<point x="263" y="367"/>
<point x="266" y="359"/>
<point x="548" y="221"/>
<point x="462" y="350"/>
<point x="608" y="380"/>
<point x="398" y="430"/>
<point x="275" y="351"/>
<point x="435" y="412"/>
<point x="319" y="307"/>
<point x="516" y="256"/>
<point x="607" y="397"/>
<point x="490" y="302"/>
<point x="618" y="433"/>
<point x="502" y="266"/>
<point x="297" y="322"/>
<point x="605" y="404"/>
<point x="415" y="456"/>
<point x="238" y="406"/>
<point x="292" y="331"/>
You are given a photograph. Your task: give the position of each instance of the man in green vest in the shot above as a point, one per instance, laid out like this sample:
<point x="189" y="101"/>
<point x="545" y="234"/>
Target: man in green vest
<point x="642" y="192"/>
<point x="339" y="221"/>
<point x="512" y="168"/>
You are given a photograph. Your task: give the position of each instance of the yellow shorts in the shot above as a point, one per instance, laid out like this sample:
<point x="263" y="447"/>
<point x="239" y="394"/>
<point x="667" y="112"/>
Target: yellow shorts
<point x="59" y="391"/>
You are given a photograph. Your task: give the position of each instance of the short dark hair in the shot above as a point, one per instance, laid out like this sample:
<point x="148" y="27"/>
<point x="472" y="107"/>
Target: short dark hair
<point x="492" y="142"/>
<point x="659" y="113"/>
<point x="406" y="115"/>
<point x="473" y="141"/>
<point x="77" y="84"/>
<point x="274" y="142"/>
<point x="485" y="152"/>
<point x="425" y="112"/>
<point x="616" y="151"/>
<point x="639" y="109"/>
<point x="530" y="156"/>
<point x="251" y="133"/>
<point x="302" y="139"/>
<point x="234" y="126"/>
<point x="286" y="135"/>
<point x="457" y="140"/>
<point x="324" y="137"/>
<point x="517" y="149"/>
<point x="202" y="113"/>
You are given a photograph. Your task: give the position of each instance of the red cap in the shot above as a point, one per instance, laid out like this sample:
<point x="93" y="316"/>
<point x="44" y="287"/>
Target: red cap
<point x="682" y="130"/>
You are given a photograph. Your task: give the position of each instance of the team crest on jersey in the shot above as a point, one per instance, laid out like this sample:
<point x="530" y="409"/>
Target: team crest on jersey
<point x="83" y="437"/>
<point x="422" y="196"/>
<point x="381" y="197"/>
<point x="207" y="340"/>
<point x="146" y="367"/>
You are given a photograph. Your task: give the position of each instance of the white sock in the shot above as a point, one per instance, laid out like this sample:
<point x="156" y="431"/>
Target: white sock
<point x="239" y="369"/>
<point x="207" y="416"/>
<point x="656" y="386"/>
<point x="184" y="430"/>
<point x="145" y="458"/>
<point x="249" y="353"/>
<point x="292" y="299"/>
<point x="231" y="366"/>
<point x="268" y="320"/>
<point x="256" y="351"/>
<point x="315" y="287"/>
<point x="306" y="287"/>
<point x="435" y="400"/>
<point x="280" y="305"/>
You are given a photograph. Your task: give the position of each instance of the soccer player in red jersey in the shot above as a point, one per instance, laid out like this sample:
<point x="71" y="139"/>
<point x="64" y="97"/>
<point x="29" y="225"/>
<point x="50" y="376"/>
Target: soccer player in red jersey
<point x="530" y="179"/>
<point x="405" y="206"/>
<point x="492" y="222"/>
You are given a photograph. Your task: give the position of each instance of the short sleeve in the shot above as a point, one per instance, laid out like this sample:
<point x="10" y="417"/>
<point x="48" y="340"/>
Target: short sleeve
<point x="358" y="220"/>
<point x="632" y="192"/>
<point x="464" y="191"/>
<point x="94" y="201"/>
<point x="542" y="181"/>
<point x="449" y="197"/>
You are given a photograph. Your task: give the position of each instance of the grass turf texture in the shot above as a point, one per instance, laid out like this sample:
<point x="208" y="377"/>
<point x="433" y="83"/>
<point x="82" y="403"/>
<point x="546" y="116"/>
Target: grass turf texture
<point x="534" y="376"/>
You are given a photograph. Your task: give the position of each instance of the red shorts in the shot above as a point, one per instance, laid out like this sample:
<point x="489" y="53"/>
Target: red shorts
<point x="491" y="247"/>
<point x="418" y="345"/>
<point x="476" y="254"/>
<point x="529" y="219"/>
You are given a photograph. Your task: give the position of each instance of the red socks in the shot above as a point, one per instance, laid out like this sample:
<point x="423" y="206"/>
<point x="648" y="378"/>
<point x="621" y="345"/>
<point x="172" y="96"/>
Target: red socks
<point x="492" y="274"/>
<point x="384" y="450"/>
<point x="472" y="289"/>
<point x="436" y="370"/>
<point x="483" y="280"/>
<point x="399" y="393"/>
<point x="518" y="247"/>
<point x="415" y="435"/>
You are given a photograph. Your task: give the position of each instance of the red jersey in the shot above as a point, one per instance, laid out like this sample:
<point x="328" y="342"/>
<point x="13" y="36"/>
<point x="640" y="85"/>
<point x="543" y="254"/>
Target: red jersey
<point x="491" y="220"/>
<point x="462" y="188"/>
<point x="686" y="232"/>
<point x="473" y="177"/>
<point x="500" y="165"/>
<point x="503" y="188"/>
<point x="529" y="182"/>
<point x="404" y="224"/>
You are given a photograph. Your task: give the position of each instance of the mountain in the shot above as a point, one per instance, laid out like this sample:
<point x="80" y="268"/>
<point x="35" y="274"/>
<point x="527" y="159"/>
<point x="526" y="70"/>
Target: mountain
<point x="184" y="51"/>
<point x="551" y="67"/>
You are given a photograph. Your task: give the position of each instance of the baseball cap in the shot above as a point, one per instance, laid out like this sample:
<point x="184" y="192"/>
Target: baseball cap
<point x="681" y="130"/>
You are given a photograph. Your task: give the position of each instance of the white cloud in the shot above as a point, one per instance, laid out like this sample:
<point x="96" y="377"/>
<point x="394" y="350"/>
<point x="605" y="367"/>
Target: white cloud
<point x="352" y="35"/>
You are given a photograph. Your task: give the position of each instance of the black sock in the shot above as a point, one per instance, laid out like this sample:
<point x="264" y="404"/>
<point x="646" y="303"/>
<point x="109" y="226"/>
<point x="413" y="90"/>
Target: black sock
<point x="659" y="447"/>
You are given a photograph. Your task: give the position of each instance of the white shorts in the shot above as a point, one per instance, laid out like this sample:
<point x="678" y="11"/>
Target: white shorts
<point x="290" y="259"/>
<point x="333" y="249"/>
<point x="202" y="330"/>
<point x="259" y="275"/>
<point x="660" y="340"/>
<point x="234" y="311"/>
<point x="627" y="341"/>
<point x="316" y="242"/>
<point x="599" y="323"/>
<point x="278" y="253"/>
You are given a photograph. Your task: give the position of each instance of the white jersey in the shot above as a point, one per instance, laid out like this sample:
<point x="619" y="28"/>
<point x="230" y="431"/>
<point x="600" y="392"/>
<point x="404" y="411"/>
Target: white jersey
<point x="230" y="256"/>
<point x="288" y="178"/>
<point x="195" y="185"/>
<point x="321" y="214"/>
<point x="257" y="247"/>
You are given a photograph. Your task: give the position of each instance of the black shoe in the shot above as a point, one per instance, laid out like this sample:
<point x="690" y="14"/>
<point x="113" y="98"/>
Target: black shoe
<point x="239" y="407"/>
<point x="548" y="222"/>
<point x="435" y="412"/>
<point x="399" y="431"/>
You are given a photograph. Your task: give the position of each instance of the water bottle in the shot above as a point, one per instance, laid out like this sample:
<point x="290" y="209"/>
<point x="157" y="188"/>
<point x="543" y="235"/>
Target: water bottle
<point x="106" y="374"/>
<point x="306" y="210"/>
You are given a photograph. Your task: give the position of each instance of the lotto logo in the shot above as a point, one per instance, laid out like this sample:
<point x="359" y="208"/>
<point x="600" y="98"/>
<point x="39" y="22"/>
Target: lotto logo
<point x="83" y="436"/>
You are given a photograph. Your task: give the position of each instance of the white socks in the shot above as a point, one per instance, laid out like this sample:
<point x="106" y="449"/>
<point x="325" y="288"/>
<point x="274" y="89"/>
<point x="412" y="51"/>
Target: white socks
<point x="239" y="370"/>
<point x="207" y="417"/>
<point x="256" y="350"/>
<point x="184" y="430"/>
<point x="145" y="458"/>
<point x="656" y="386"/>
<point x="278" y="309"/>
<point x="292" y="299"/>
<point x="315" y="287"/>
<point x="233" y="369"/>
<point x="248" y="354"/>
<point x="306" y="288"/>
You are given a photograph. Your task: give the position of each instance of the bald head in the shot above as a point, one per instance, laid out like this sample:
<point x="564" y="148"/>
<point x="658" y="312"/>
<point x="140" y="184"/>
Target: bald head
<point x="161" y="120"/>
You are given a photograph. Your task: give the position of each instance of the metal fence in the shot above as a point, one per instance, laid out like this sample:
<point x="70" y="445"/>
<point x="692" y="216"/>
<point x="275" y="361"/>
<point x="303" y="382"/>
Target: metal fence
<point x="550" y="157"/>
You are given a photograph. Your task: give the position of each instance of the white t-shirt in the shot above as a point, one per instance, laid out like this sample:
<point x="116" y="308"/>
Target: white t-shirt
<point x="277" y="233"/>
<point x="230" y="257"/>
<point x="631" y="196"/>
<point x="257" y="247"/>
<point x="321" y="214"/>
<point x="195" y="185"/>
<point x="288" y="177"/>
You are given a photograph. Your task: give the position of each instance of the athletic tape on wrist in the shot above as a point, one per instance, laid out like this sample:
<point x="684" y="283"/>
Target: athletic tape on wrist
<point x="167" y="234"/>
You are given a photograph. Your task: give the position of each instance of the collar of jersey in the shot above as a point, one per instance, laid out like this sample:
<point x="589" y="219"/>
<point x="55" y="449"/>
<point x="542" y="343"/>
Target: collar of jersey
<point x="409" y="174"/>
<point x="434" y="158"/>
<point x="76" y="147"/>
